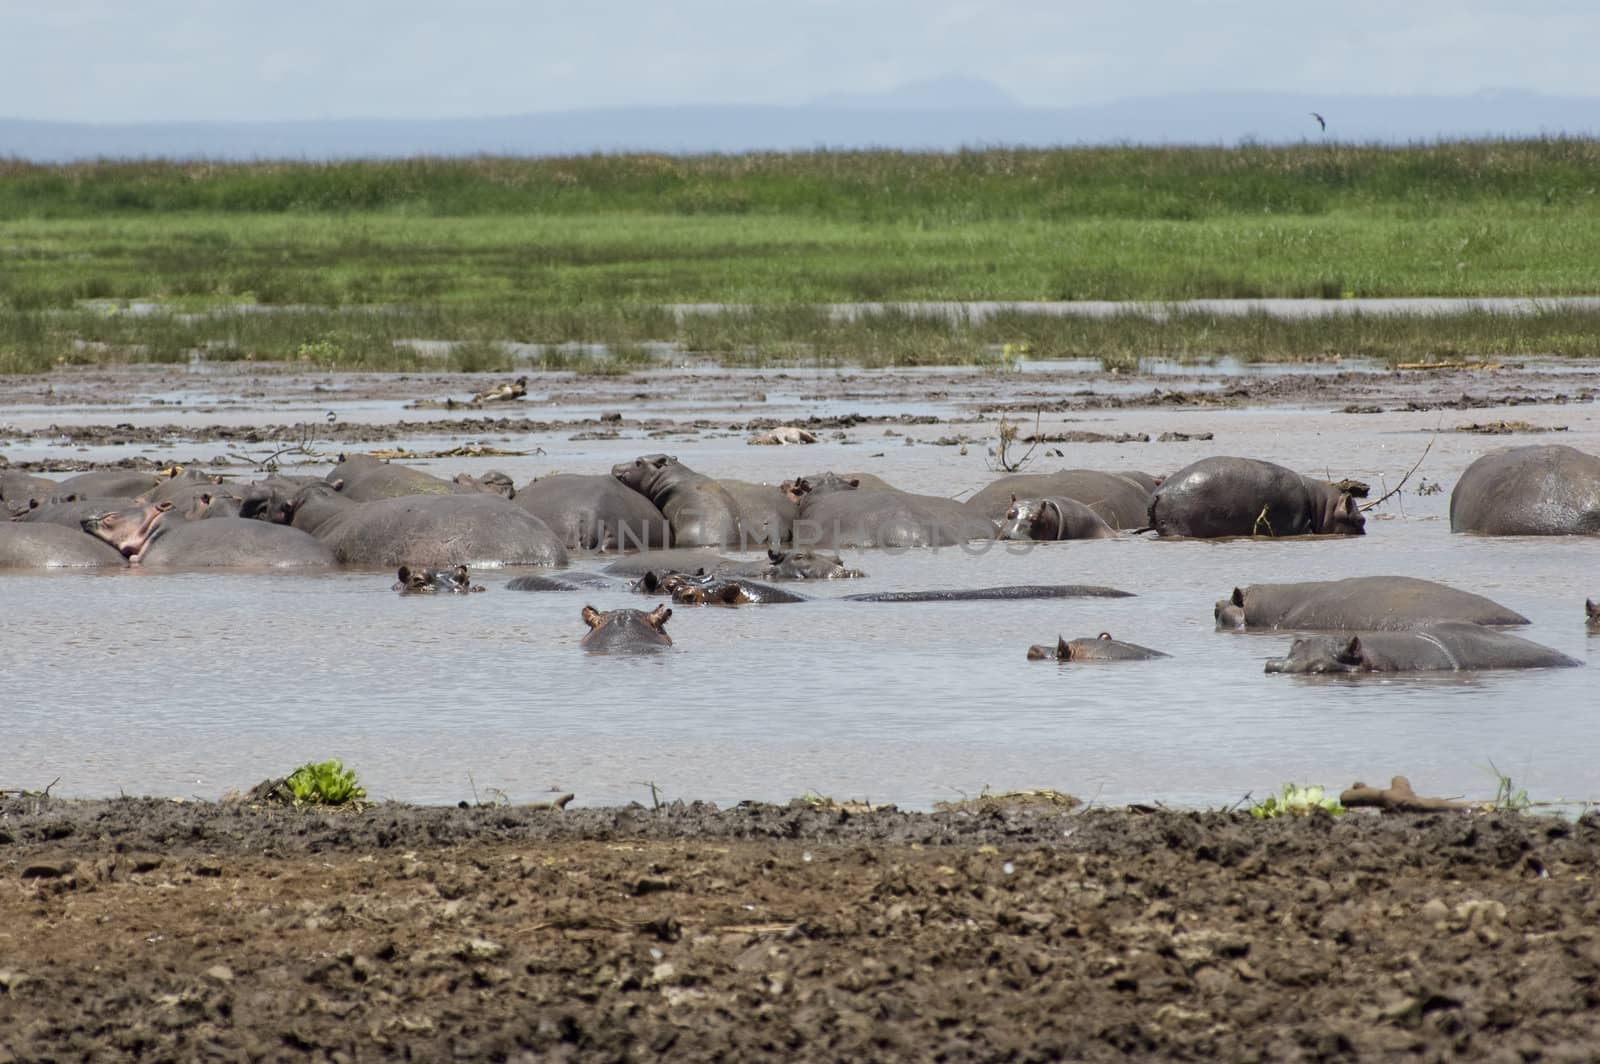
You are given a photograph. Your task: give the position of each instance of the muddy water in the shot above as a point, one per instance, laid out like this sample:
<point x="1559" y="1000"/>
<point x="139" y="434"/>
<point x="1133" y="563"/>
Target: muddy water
<point x="194" y="683"/>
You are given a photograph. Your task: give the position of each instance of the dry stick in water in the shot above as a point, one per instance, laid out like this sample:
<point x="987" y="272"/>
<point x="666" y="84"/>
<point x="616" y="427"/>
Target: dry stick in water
<point x="1379" y="500"/>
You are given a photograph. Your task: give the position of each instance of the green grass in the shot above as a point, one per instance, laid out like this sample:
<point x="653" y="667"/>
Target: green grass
<point x="593" y="249"/>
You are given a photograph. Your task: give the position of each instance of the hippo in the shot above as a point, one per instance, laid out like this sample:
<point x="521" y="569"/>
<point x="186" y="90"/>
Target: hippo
<point x="70" y="509"/>
<point x="1449" y="646"/>
<point x="492" y="481"/>
<point x="684" y="560"/>
<point x="700" y="511"/>
<point x="110" y="484"/>
<point x="793" y="565"/>
<point x="1591" y="610"/>
<point x="569" y="581"/>
<point x="596" y="512"/>
<point x="712" y="590"/>
<point x="367" y="478"/>
<point x="1226" y="496"/>
<point x="766" y="512"/>
<point x="179" y="487"/>
<point x="51" y="546"/>
<point x="626" y="631"/>
<point x="1120" y="500"/>
<point x="474" y="528"/>
<point x="151" y="535"/>
<point x="1011" y="593"/>
<point x="1538" y="490"/>
<point x="1101" y="648"/>
<point x="455" y="581"/>
<point x="838" y="512"/>
<point x="18" y="490"/>
<point x="1373" y="602"/>
<point x="1054" y="517"/>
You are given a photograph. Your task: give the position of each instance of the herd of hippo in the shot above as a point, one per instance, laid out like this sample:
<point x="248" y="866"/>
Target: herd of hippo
<point x="369" y="513"/>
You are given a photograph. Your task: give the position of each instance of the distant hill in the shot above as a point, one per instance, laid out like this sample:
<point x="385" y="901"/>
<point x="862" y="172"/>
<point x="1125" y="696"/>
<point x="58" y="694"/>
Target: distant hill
<point x="945" y="114"/>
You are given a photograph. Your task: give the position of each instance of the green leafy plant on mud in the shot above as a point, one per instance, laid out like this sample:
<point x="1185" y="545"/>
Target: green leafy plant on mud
<point x="1508" y="797"/>
<point x="1296" y="801"/>
<point x="325" y="783"/>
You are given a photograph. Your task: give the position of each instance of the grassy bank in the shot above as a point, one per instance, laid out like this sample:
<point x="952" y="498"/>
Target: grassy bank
<point x="36" y="341"/>
<point x="590" y="249"/>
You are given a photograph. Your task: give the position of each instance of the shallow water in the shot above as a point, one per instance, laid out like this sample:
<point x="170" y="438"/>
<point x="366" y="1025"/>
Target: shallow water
<point x="194" y="683"/>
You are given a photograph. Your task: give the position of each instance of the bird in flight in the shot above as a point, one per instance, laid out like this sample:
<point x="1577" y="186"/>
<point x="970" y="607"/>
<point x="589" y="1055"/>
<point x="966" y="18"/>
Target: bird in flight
<point x="1320" y="121"/>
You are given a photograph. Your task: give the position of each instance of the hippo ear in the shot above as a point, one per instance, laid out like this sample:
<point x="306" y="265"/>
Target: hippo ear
<point x="1103" y="635"/>
<point x="1237" y="597"/>
<point x="337" y="484"/>
<point x="1013" y="498"/>
<point x="775" y="556"/>
<point x="404" y="575"/>
<point x="1063" y="648"/>
<point x="164" y="507"/>
<point x="649" y="582"/>
<point x="659" y="616"/>
<point x="591" y="617"/>
<point x="461" y="573"/>
<point x="1351" y="652"/>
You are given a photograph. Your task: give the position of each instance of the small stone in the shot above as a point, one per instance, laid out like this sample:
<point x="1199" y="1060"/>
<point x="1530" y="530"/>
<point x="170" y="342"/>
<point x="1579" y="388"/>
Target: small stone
<point x="220" y="972"/>
<point x="483" y="949"/>
<point x="1434" y="911"/>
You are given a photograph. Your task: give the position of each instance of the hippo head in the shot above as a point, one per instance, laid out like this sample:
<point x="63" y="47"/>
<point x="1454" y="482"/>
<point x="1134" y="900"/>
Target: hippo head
<point x="1063" y="650"/>
<point x="1032" y="519"/>
<point x="130" y="531"/>
<point x="1318" y="655"/>
<point x="1229" y="612"/>
<point x="808" y="565"/>
<point x="493" y="481"/>
<point x="1592" y="611"/>
<point x="626" y="629"/>
<point x="638" y="473"/>
<point x="457" y="581"/>
<point x="1346" y="518"/>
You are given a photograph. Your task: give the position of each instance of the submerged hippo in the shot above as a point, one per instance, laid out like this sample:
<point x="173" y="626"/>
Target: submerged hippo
<point x="623" y="631"/>
<point x="1451" y="646"/>
<point x="155" y="536"/>
<point x="701" y="512"/>
<point x="793" y="565"/>
<point x="568" y="581"/>
<point x="1386" y="602"/>
<point x="1053" y="518"/>
<point x="1225" y="496"/>
<point x="703" y="589"/>
<point x="1538" y="490"/>
<point x="838" y="511"/>
<point x="455" y="581"/>
<point x="687" y="560"/>
<point x="1100" y="648"/>
<point x="1121" y="500"/>
<point x="1591" y="610"/>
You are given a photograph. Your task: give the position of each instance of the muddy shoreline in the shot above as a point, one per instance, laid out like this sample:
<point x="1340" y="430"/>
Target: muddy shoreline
<point x="148" y="929"/>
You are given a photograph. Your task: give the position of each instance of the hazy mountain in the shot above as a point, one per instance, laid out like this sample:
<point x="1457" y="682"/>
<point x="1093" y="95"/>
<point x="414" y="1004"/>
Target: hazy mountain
<point x="945" y="114"/>
<point x="953" y="92"/>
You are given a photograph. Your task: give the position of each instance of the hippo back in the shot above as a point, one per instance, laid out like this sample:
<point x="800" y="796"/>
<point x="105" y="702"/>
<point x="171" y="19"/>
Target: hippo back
<point x="1119" y="501"/>
<point x="1538" y="490"/>
<point x="595" y="512"/>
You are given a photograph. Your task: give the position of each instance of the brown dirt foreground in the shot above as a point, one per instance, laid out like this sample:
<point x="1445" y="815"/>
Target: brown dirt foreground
<point x="153" y="930"/>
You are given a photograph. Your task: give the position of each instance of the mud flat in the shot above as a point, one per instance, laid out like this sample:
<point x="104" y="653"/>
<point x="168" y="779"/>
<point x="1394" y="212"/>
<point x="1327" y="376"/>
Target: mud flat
<point x="148" y="929"/>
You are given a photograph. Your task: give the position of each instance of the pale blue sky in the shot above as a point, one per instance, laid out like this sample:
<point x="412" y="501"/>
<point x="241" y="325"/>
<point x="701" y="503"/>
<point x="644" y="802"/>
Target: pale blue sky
<point x="165" y="60"/>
